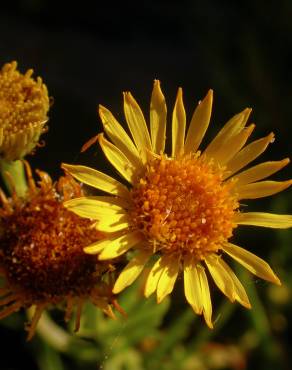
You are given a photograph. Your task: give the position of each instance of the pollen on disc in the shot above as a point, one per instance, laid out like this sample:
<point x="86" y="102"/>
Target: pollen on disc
<point x="183" y="206"/>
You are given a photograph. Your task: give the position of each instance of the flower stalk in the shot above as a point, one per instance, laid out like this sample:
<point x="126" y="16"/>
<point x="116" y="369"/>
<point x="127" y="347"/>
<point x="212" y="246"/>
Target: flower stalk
<point x="13" y="175"/>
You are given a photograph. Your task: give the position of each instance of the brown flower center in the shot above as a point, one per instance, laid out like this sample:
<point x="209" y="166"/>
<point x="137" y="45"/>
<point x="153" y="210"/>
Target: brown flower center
<point x="42" y="249"/>
<point x="183" y="207"/>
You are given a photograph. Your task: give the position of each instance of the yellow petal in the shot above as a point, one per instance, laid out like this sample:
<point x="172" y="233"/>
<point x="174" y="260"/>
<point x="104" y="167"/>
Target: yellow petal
<point x="112" y="223"/>
<point x="97" y="179"/>
<point x="260" y="172"/>
<point x="158" y="119"/>
<point x="99" y="245"/>
<point x="239" y="291"/>
<point x="117" y="159"/>
<point x="92" y="208"/>
<point x="119" y="137"/>
<point x="231" y="128"/>
<point x="248" y="154"/>
<point x="220" y="276"/>
<point x="137" y="126"/>
<point x="168" y="277"/>
<point x="199" y="123"/>
<point x="131" y="271"/>
<point x="192" y="286"/>
<point x="205" y="294"/>
<point x="153" y="278"/>
<point x="261" y="189"/>
<point x="104" y="199"/>
<point x="178" y="126"/>
<point x="251" y="262"/>
<point x="264" y="219"/>
<point x="120" y="245"/>
<point x="231" y="147"/>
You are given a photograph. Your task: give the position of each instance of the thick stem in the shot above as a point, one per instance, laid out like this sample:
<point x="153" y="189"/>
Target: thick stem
<point x="13" y="174"/>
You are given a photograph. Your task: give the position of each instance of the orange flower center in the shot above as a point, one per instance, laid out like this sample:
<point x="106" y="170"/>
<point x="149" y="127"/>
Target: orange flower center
<point x="183" y="207"/>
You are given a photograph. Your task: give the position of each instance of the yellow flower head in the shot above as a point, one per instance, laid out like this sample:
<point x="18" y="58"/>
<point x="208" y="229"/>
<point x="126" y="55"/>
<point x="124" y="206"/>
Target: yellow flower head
<point x="41" y="253"/>
<point x="182" y="208"/>
<point x="24" y="104"/>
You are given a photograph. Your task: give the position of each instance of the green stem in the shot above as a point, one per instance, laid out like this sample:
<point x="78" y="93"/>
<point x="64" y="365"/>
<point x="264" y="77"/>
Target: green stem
<point x="16" y="172"/>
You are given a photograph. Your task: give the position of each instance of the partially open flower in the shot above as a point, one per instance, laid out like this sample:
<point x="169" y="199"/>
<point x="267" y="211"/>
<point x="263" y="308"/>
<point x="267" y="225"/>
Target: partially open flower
<point x="41" y="253"/>
<point x="179" y="212"/>
<point x="24" y="104"/>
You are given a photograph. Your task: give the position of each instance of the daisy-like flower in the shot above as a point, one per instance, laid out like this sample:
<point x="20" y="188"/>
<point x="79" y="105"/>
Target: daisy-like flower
<point x="179" y="212"/>
<point x="24" y="104"/>
<point x="41" y="253"/>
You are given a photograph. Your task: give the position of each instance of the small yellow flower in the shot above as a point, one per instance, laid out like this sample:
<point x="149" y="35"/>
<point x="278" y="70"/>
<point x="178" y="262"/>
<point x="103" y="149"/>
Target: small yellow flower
<point x="41" y="253"/>
<point x="182" y="208"/>
<point x="24" y="104"/>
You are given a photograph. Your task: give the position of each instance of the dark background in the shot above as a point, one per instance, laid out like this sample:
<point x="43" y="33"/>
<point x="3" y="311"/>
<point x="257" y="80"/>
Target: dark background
<point x="89" y="52"/>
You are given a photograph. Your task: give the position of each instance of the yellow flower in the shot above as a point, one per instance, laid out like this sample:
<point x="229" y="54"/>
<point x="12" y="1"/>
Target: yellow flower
<point x="181" y="209"/>
<point x="41" y="253"/>
<point x="24" y="104"/>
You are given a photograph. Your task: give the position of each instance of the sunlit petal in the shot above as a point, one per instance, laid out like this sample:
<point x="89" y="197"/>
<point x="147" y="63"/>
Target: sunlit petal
<point x="120" y="245"/>
<point x="119" y="136"/>
<point x="239" y="291"/>
<point x="221" y="278"/>
<point x="113" y="222"/>
<point x="206" y="298"/>
<point x="199" y="124"/>
<point x="99" y="245"/>
<point x="233" y="127"/>
<point x="231" y="147"/>
<point x="251" y="262"/>
<point x="168" y="277"/>
<point x="248" y="154"/>
<point x="117" y="159"/>
<point x="137" y="126"/>
<point x="153" y="278"/>
<point x="92" y="208"/>
<point x="262" y="189"/>
<point x="178" y="126"/>
<point x="264" y="219"/>
<point x="260" y="171"/>
<point x="192" y="286"/>
<point x="131" y="271"/>
<point x="97" y="179"/>
<point x="158" y="119"/>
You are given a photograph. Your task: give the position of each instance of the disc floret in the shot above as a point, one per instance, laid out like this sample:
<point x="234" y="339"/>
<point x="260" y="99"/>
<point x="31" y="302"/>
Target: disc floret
<point x="183" y="207"/>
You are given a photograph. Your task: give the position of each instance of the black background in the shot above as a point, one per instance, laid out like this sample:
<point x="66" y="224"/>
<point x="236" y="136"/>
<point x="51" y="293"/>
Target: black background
<point x="89" y="52"/>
